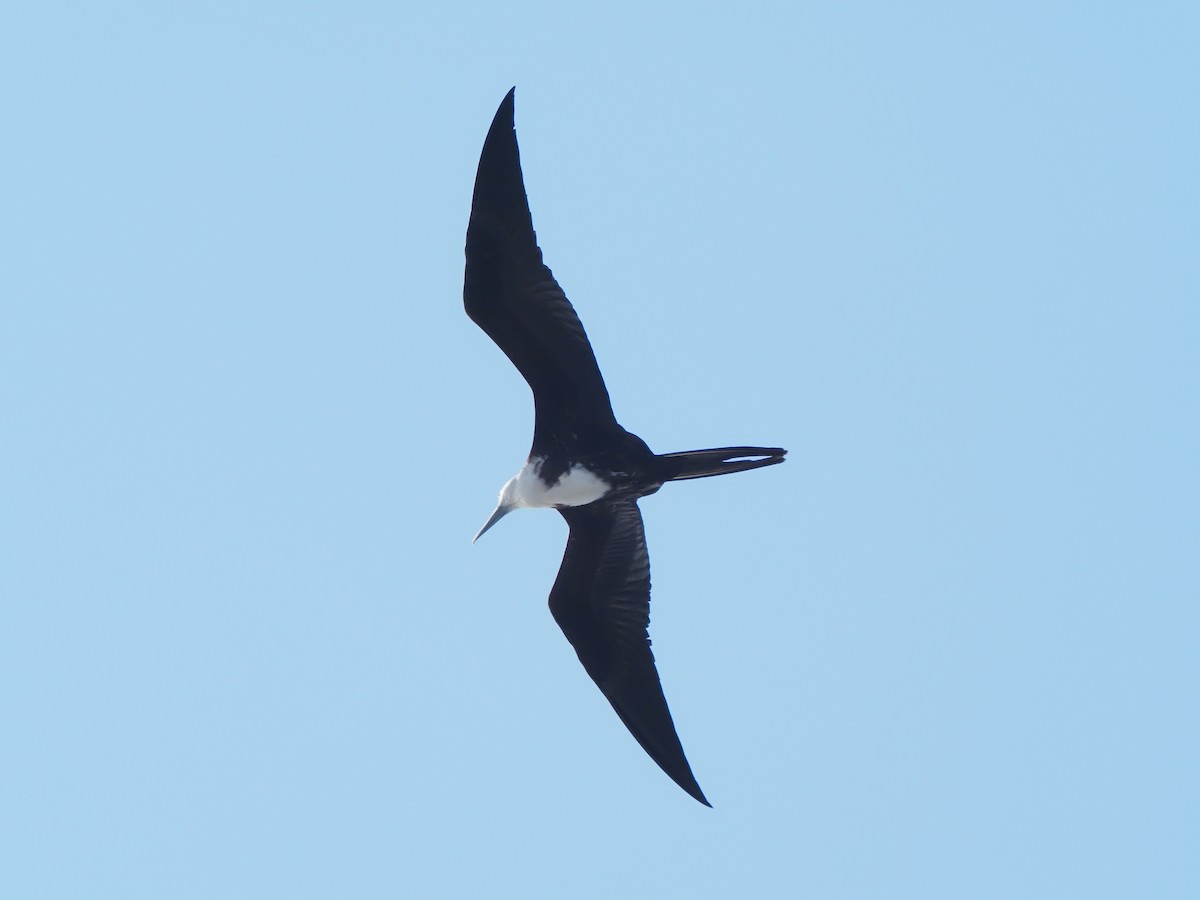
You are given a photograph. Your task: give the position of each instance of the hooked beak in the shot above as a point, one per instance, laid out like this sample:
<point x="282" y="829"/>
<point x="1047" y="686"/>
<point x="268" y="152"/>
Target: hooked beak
<point x="500" y="513"/>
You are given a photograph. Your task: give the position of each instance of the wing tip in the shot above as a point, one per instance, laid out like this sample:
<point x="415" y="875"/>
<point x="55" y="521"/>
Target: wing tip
<point x="505" y="112"/>
<point x="686" y="780"/>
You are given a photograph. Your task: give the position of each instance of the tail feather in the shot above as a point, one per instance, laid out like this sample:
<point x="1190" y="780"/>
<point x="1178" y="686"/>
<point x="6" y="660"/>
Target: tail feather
<point x="718" y="461"/>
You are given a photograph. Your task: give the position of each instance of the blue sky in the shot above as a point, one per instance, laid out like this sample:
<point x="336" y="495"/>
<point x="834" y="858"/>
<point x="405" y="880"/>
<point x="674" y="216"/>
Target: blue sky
<point x="944" y="253"/>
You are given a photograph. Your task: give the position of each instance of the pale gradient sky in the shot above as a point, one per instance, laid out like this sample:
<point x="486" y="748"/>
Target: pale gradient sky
<point x="945" y="253"/>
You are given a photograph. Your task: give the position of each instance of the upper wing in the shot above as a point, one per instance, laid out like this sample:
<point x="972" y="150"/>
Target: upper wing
<point x="513" y="296"/>
<point x="601" y="600"/>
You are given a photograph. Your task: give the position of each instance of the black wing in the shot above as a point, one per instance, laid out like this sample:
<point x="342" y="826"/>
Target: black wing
<point x="601" y="600"/>
<point x="512" y="295"/>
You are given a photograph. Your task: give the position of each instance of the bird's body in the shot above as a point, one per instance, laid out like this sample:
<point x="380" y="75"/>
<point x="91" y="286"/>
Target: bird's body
<point x="582" y="462"/>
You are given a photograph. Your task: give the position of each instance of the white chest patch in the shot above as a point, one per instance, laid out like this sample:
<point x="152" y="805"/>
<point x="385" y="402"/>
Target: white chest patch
<point x="576" y="488"/>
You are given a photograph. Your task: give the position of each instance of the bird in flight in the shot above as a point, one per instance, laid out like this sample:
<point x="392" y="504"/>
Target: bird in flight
<point x="582" y="462"/>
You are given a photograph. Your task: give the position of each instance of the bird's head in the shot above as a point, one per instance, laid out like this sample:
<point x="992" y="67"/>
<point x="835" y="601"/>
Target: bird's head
<point x="509" y="500"/>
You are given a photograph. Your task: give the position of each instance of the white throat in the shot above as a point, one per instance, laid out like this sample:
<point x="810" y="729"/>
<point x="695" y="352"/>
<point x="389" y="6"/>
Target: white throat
<point x="577" y="487"/>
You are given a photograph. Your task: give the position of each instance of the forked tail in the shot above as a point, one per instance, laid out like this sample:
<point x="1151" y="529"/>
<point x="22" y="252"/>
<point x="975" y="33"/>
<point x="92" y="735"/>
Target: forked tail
<point x="719" y="461"/>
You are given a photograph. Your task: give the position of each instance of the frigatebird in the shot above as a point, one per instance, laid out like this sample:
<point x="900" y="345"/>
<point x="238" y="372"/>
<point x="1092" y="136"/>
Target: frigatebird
<point x="582" y="462"/>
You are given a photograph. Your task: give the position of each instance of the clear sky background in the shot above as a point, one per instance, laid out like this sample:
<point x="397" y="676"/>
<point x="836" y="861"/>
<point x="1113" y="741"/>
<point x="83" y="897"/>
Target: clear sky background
<point x="945" y="253"/>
